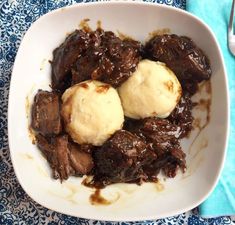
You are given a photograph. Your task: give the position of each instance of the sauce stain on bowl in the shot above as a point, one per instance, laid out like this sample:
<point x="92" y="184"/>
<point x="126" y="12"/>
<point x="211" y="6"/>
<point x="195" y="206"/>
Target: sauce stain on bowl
<point x="73" y="191"/>
<point x="31" y="135"/>
<point x="97" y="199"/>
<point x="196" y="156"/>
<point x="42" y="171"/>
<point x="128" y="189"/>
<point x="27" y="156"/>
<point x="99" y="24"/>
<point x="201" y="121"/>
<point x="160" y="187"/>
<point x="27" y="106"/>
<point x="203" y="105"/>
<point x="85" y="25"/>
<point x="28" y="102"/>
<point x="194" y="165"/>
<point x="43" y="64"/>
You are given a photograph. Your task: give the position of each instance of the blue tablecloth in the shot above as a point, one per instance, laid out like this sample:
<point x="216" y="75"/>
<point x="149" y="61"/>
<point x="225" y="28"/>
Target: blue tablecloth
<point x="15" y="205"/>
<point x="224" y="192"/>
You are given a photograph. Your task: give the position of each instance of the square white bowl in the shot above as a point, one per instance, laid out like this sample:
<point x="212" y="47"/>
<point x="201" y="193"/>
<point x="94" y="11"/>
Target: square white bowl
<point x="129" y="201"/>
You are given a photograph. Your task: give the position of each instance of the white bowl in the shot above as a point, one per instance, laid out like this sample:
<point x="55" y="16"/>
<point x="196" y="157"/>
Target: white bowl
<point x="129" y="202"/>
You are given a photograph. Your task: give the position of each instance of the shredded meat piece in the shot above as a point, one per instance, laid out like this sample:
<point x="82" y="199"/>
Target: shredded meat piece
<point x="162" y="138"/>
<point x="121" y="158"/>
<point x="56" y="152"/>
<point x="65" y="158"/>
<point x="182" y="116"/>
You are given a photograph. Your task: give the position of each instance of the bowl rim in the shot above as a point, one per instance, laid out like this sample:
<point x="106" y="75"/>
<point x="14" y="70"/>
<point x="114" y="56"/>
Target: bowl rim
<point x="127" y="3"/>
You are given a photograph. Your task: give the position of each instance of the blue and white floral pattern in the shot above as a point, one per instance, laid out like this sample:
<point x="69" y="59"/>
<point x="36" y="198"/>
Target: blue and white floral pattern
<point x="16" y="207"/>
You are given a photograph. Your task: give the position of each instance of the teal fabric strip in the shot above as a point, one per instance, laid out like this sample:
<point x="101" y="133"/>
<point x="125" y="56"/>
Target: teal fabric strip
<point x="216" y="15"/>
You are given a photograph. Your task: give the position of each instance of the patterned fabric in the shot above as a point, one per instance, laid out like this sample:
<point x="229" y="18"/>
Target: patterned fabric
<point x="16" y="207"/>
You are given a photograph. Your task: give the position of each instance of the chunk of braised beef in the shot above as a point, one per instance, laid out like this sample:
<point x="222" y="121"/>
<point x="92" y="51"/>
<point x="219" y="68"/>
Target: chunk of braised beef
<point x="120" y="159"/>
<point x="83" y="68"/>
<point x="161" y="136"/>
<point x="57" y="154"/>
<point x="46" y="113"/>
<point x="161" y="133"/>
<point x="124" y="57"/>
<point x="81" y="161"/>
<point x="110" y="59"/>
<point x="169" y="161"/>
<point x="65" y="56"/>
<point x="182" y="115"/>
<point x="181" y="55"/>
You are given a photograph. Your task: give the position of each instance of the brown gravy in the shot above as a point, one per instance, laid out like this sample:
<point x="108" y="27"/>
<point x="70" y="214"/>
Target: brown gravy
<point x="97" y="199"/>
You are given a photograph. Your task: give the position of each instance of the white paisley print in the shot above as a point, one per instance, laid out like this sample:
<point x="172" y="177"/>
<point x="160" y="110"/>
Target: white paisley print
<point x="16" y="207"/>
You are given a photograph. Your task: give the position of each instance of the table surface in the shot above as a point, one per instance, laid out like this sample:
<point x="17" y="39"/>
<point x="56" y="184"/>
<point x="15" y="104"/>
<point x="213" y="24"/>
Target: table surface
<point x="16" y="207"/>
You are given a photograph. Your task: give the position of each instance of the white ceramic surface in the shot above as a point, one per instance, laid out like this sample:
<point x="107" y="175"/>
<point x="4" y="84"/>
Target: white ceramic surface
<point x="31" y="71"/>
